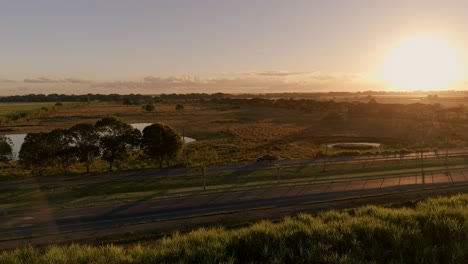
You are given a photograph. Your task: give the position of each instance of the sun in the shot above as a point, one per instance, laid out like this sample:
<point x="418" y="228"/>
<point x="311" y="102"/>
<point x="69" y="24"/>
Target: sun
<point x="422" y="63"/>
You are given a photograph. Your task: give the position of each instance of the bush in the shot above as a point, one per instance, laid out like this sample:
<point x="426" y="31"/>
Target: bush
<point x="13" y="116"/>
<point x="433" y="231"/>
<point x="356" y="146"/>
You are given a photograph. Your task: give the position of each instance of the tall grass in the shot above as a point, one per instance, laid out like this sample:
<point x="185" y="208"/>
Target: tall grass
<point x="434" y="231"/>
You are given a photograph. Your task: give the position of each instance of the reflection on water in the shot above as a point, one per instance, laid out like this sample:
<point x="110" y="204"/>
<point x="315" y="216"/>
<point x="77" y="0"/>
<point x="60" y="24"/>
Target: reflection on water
<point x="18" y="139"/>
<point x="351" y="144"/>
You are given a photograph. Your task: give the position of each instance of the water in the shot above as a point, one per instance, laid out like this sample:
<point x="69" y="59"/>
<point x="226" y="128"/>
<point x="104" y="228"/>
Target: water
<point x="18" y="139"/>
<point x="370" y="144"/>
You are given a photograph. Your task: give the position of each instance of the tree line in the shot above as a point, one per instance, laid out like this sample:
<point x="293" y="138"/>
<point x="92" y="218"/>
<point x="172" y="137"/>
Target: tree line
<point x="109" y="139"/>
<point x="128" y="99"/>
<point x="75" y="98"/>
<point x="372" y="108"/>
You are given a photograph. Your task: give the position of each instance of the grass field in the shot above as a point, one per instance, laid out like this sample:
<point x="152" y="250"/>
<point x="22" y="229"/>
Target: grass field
<point x="181" y="185"/>
<point x="6" y="108"/>
<point x="227" y="133"/>
<point x="224" y="135"/>
<point x="432" y="231"/>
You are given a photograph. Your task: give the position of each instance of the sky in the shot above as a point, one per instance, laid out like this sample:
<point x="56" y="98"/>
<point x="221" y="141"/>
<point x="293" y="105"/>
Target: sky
<point x="181" y="46"/>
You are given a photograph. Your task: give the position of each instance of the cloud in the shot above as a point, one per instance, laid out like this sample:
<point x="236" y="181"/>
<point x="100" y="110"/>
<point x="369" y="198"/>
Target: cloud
<point x="187" y="84"/>
<point x="40" y="80"/>
<point x="260" y="82"/>
<point x="49" y="80"/>
<point x="323" y="77"/>
<point x="274" y="73"/>
<point x="249" y="84"/>
<point x="6" y="81"/>
<point x="76" y="80"/>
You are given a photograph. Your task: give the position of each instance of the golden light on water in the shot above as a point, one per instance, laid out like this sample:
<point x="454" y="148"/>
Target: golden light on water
<point x="422" y="63"/>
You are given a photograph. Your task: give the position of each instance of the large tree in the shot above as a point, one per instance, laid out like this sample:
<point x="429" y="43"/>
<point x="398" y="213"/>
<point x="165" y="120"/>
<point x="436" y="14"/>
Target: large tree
<point x="85" y="140"/>
<point x="62" y="149"/>
<point x="161" y="142"/>
<point x="115" y="139"/>
<point x="6" y="150"/>
<point x="47" y="149"/>
<point x="35" y="151"/>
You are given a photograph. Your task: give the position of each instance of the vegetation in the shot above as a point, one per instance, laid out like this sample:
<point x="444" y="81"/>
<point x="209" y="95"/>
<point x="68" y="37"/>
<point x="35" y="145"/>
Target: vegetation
<point x="71" y="194"/>
<point x="148" y="107"/>
<point x="86" y="141"/>
<point x="60" y="148"/>
<point x="75" y="98"/>
<point x="161" y="143"/>
<point x="35" y="152"/>
<point x="433" y="231"/>
<point x="110" y="138"/>
<point x="354" y="146"/>
<point x="179" y="107"/>
<point x="240" y="128"/>
<point x="129" y="99"/>
<point x="5" y="149"/>
<point x="115" y="139"/>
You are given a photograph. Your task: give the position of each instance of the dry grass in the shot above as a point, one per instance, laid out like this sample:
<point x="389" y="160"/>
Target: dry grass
<point x="432" y="231"/>
<point x="230" y="134"/>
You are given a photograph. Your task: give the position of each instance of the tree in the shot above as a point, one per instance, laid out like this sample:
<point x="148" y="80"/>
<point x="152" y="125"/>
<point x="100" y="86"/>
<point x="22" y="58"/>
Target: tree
<point x="61" y="149"/>
<point x="161" y="143"/>
<point x="179" y="107"/>
<point x="6" y="149"/>
<point x="127" y="101"/>
<point x="148" y="107"/>
<point x="86" y="143"/>
<point x="35" y="152"/>
<point x="115" y="139"/>
<point x="136" y="138"/>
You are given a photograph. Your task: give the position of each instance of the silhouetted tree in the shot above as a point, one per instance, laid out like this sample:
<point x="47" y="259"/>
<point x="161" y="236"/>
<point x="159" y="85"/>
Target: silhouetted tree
<point x="60" y="147"/>
<point x="148" y="107"/>
<point x="180" y="107"/>
<point x="6" y="150"/>
<point x="115" y="139"/>
<point x="127" y="101"/>
<point x="35" y="151"/>
<point x="86" y="143"/>
<point x="161" y="143"/>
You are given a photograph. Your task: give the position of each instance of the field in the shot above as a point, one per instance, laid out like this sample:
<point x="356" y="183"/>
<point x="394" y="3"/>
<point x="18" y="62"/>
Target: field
<point x="160" y="186"/>
<point x="431" y="231"/>
<point x="228" y="133"/>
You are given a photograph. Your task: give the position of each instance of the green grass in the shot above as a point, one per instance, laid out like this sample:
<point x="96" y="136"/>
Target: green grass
<point x="182" y="185"/>
<point x="7" y="108"/>
<point x="433" y="231"/>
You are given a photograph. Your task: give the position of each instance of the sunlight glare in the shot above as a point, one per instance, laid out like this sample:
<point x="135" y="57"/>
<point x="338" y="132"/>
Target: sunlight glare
<point x="422" y="63"/>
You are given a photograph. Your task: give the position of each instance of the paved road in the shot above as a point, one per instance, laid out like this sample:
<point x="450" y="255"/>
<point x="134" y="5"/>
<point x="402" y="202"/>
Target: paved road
<point x="42" y="222"/>
<point x="51" y="181"/>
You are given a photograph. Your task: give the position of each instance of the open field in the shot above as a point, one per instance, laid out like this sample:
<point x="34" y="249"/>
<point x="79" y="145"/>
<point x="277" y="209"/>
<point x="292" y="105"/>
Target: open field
<point x="431" y="231"/>
<point x="6" y="108"/>
<point x="232" y="133"/>
<point x="232" y="136"/>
